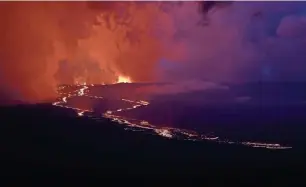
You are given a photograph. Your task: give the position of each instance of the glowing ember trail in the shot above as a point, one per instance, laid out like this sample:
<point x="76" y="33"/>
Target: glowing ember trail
<point x="145" y="126"/>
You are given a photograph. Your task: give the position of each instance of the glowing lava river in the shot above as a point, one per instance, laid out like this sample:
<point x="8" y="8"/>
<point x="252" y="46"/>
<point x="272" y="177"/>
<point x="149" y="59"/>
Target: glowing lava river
<point x="145" y="126"/>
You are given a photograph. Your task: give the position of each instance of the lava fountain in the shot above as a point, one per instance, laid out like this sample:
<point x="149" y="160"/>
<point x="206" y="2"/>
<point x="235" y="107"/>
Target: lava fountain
<point x="124" y="79"/>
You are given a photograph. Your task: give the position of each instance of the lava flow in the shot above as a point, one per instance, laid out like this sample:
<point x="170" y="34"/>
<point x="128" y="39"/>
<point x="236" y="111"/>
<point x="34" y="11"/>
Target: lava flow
<point x="141" y="125"/>
<point x="123" y="79"/>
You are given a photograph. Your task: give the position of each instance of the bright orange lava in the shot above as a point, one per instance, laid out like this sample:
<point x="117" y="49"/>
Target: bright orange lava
<point x="123" y="79"/>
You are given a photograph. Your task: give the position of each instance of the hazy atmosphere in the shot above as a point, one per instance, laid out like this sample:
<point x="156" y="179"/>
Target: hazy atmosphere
<point x="44" y="44"/>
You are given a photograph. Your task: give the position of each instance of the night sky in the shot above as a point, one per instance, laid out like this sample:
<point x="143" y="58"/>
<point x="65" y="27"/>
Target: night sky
<point x="241" y="42"/>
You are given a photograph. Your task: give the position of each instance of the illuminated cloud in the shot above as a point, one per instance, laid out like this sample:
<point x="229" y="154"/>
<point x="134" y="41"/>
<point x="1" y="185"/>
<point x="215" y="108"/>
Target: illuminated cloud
<point x="246" y="41"/>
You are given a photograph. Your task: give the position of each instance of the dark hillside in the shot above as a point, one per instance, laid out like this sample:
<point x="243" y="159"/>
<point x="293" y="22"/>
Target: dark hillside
<point x="44" y="138"/>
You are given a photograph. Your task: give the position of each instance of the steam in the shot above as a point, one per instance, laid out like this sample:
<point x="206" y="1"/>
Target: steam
<point x="34" y="37"/>
<point x="48" y="43"/>
<point x="247" y="41"/>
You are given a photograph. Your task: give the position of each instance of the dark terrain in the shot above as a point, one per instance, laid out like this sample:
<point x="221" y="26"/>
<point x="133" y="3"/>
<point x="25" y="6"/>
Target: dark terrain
<point x="44" y="139"/>
<point x="264" y="112"/>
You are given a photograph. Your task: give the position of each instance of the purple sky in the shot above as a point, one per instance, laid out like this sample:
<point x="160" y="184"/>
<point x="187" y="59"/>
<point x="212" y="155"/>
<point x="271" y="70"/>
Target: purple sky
<point x="243" y="42"/>
<point x="246" y="41"/>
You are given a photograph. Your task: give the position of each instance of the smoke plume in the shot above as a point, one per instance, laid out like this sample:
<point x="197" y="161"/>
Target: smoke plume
<point x="246" y="41"/>
<point x="44" y="44"/>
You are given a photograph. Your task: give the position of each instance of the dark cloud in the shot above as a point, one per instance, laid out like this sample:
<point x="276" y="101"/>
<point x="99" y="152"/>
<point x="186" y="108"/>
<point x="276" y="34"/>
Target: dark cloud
<point x="246" y="41"/>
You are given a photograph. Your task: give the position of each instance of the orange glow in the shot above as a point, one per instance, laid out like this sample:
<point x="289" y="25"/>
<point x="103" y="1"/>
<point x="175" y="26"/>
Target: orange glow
<point x="124" y="79"/>
<point x="95" y="41"/>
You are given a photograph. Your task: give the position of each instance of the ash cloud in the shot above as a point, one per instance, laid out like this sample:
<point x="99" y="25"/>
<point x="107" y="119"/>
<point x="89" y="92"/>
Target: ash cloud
<point x="246" y="41"/>
<point x="34" y="36"/>
<point x="48" y="43"/>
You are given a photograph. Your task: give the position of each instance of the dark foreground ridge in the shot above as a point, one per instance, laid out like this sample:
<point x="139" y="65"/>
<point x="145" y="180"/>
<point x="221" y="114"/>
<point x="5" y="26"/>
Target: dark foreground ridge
<point x="46" y="138"/>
